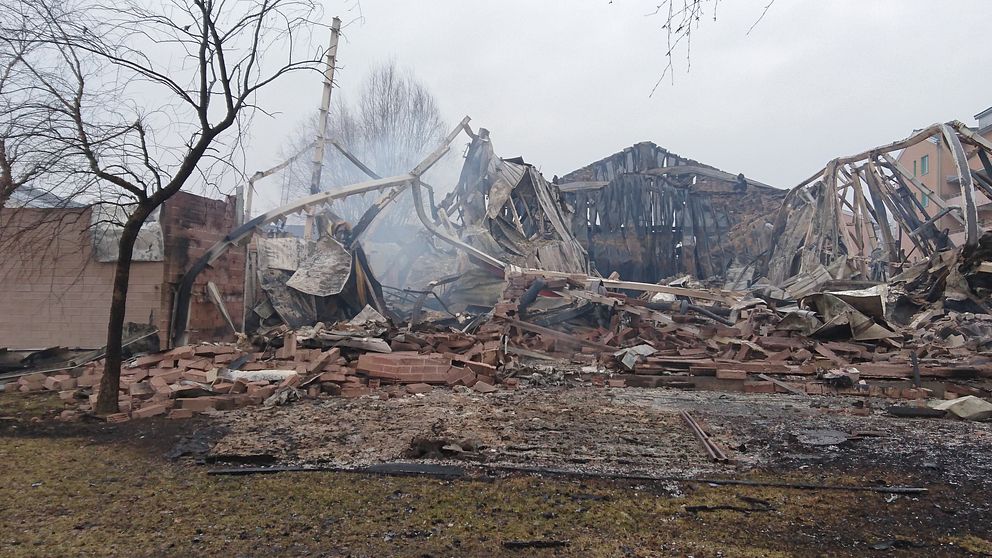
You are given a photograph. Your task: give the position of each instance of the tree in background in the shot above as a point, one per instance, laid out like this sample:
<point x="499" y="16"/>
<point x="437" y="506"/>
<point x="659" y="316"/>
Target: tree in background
<point x="30" y="150"/>
<point x="176" y="82"/>
<point x="394" y="124"/>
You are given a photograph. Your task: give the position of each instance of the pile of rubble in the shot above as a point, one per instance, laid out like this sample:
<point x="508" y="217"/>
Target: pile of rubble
<point x="817" y="312"/>
<point x="922" y="336"/>
<point x="828" y="342"/>
<point x="362" y="357"/>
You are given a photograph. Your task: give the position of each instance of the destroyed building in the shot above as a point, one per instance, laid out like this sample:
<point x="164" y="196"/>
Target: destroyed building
<point x="932" y="164"/>
<point x="830" y="300"/>
<point x="506" y="209"/>
<point x="58" y="270"/>
<point x="648" y="214"/>
<point x="866" y="217"/>
<point x="501" y="212"/>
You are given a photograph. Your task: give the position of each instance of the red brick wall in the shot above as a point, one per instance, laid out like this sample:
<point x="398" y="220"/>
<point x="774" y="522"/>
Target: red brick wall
<point x="52" y="292"/>
<point x="191" y="225"/>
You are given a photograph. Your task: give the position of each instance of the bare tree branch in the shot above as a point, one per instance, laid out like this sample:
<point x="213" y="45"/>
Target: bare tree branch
<point x="681" y="18"/>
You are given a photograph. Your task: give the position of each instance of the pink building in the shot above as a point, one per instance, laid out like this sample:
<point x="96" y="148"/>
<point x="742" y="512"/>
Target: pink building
<point x="931" y="162"/>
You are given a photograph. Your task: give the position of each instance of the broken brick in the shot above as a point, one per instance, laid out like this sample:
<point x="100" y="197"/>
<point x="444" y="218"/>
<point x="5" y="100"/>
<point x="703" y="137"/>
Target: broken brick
<point x="222" y="387"/>
<point x="184" y="352"/>
<point x="460" y="377"/>
<point x="725" y="374"/>
<point x="141" y="388"/>
<point x="418" y="388"/>
<point x="291" y="381"/>
<point x="226" y="358"/>
<point x="759" y="387"/>
<point x="148" y="360"/>
<point x="89" y="380"/>
<point x="288" y="349"/>
<point x="198" y="404"/>
<point x="60" y="382"/>
<point x="150" y="410"/>
<point x="181" y="413"/>
<point x="486" y="379"/>
<point x="264" y="392"/>
<point x="483" y="387"/>
<point x="213" y="350"/>
<point x="201" y="376"/>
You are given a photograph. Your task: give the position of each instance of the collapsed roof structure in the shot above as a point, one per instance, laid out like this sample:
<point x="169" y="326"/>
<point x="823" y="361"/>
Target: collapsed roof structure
<point x="642" y="214"/>
<point x="647" y="214"/>
<point x="502" y="212"/>
<point x="859" y="217"/>
<point x="508" y="213"/>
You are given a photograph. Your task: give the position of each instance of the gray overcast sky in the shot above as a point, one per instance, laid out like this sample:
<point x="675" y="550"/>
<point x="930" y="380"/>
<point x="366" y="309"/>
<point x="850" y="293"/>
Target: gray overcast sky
<point x="564" y="84"/>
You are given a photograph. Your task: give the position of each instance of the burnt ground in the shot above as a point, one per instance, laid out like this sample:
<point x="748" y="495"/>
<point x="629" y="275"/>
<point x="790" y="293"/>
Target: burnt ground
<point x="93" y="489"/>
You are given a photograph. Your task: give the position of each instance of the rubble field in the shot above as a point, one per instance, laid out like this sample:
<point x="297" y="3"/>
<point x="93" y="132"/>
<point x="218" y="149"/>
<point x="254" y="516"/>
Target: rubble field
<point x="601" y="431"/>
<point x="93" y="488"/>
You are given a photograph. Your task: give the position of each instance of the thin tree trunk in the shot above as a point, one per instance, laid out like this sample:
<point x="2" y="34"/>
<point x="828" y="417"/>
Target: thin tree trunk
<point x="111" y="381"/>
<point x="5" y="194"/>
<point x="6" y="176"/>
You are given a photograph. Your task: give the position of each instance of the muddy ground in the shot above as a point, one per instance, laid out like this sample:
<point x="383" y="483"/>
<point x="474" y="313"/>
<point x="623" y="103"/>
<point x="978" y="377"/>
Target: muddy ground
<point x="142" y="488"/>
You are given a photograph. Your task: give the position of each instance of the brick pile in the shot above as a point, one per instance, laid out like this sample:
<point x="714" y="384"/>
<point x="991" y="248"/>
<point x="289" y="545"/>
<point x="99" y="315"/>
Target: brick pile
<point x="184" y="381"/>
<point x="693" y="351"/>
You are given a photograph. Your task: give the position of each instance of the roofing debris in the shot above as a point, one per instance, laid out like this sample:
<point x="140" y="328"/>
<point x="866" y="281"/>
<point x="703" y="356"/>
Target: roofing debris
<point x="860" y="218"/>
<point x="847" y="288"/>
<point x="649" y="214"/>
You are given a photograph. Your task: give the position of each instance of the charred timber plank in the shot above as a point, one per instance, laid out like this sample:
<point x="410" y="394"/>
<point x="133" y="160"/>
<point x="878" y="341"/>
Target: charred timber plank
<point x="902" y="210"/>
<point x="558" y="335"/>
<point x="894" y="146"/>
<point x="582" y="185"/>
<point x="725" y="298"/>
<point x="905" y="370"/>
<point x="881" y="215"/>
<point x="783" y="385"/>
<point x="520" y="351"/>
<point x="769" y="367"/>
<point x="970" y="135"/>
<point x="780" y="343"/>
<point x="867" y="232"/>
<point x="901" y="171"/>
<point x="678" y="291"/>
<point x="830" y="355"/>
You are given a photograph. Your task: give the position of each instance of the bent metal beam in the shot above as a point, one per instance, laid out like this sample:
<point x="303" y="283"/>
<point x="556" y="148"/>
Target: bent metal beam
<point x="180" y="313"/>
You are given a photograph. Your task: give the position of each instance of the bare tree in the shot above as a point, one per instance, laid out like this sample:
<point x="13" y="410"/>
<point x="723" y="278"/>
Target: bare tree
<point x="27" y="153"/>
<point x="397" y="121"/>
<point x="14" y="131"/>
<point x="185" y="76"/>
<point x="394" y="124"/>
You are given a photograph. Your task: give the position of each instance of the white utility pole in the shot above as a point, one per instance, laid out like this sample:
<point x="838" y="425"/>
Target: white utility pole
<point x="325" y="107"/>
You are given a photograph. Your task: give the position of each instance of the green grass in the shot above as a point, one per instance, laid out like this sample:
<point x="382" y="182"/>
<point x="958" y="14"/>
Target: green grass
<point x="30" y="406"/>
